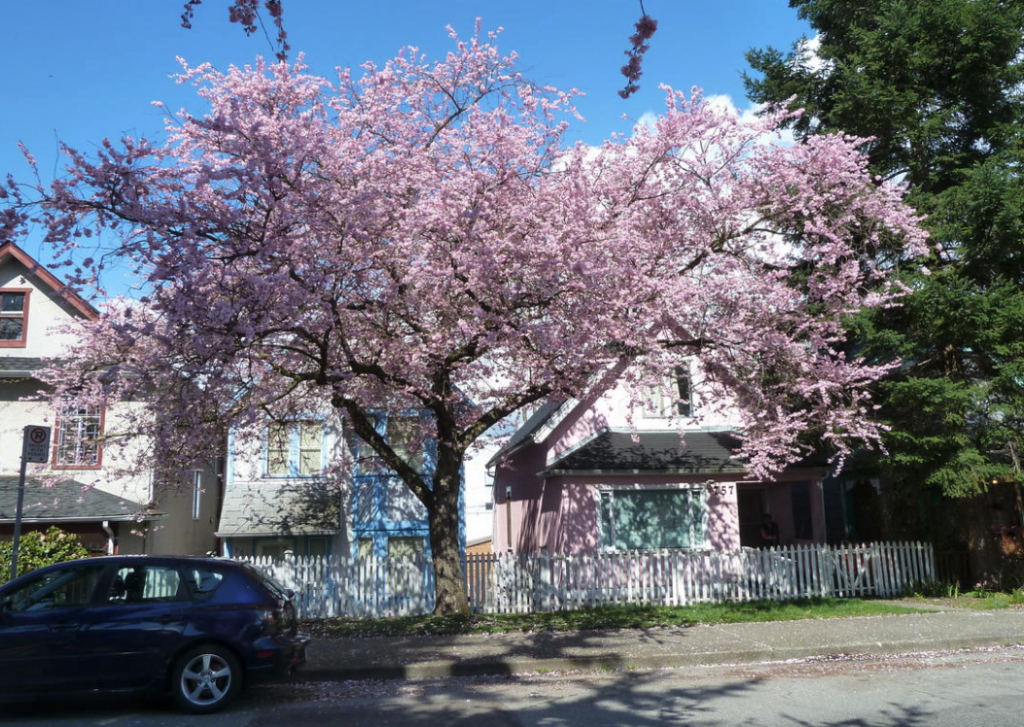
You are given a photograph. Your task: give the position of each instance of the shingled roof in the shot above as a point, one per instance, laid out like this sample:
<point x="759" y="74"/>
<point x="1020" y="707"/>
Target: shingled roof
<point x="67" y="501"/>
<point x="19" y="365"/>
<point x="702" y="452"/>
<point x="661" y="452"/>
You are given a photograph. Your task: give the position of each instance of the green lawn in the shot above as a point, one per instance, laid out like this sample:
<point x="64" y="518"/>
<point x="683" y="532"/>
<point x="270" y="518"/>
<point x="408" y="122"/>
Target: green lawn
<point x="625" y="617"/>
<point x="984" y="600"/>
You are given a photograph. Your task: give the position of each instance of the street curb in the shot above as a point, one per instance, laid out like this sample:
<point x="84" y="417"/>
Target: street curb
<point x="517" y="666"/>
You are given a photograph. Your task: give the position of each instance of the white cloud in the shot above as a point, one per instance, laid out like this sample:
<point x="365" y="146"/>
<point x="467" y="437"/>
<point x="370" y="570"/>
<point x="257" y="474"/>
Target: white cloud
<point x="648" y="119"/>
<point x="748" y="115"/>
<point x="807" y="55"/>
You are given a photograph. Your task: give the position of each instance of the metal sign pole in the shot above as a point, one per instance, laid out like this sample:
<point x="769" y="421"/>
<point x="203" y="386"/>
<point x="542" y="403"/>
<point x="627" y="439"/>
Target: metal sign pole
<point x="17" y="511"/>
<point x="35" y="447"/>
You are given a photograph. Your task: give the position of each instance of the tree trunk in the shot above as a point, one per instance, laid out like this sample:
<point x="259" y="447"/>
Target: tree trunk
<point x="445" y="538"/>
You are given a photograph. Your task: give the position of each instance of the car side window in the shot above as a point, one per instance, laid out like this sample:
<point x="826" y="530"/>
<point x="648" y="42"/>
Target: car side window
<point x="63" y="588"/>
<point x="202" y="581"/>
<point x="134" y="584"/>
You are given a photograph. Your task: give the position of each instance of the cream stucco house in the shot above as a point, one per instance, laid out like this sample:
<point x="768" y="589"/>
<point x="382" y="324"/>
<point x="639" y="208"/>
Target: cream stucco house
<point x="81" y="489"/>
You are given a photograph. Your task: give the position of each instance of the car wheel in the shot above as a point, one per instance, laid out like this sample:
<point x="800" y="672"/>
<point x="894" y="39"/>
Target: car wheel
<point x="206" y="679"/>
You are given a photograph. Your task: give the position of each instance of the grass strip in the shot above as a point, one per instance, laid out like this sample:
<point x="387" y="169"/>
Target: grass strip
<point x="619" y="617"/>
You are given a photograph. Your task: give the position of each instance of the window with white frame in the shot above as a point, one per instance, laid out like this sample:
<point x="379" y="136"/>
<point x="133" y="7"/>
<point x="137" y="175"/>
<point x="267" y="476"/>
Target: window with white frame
<point x="295" y="449"/>
<point x="78" y="437"/>
<point x="197" y="494"/>
<point x="670" y="397"/>
<point x="652" y="518"/>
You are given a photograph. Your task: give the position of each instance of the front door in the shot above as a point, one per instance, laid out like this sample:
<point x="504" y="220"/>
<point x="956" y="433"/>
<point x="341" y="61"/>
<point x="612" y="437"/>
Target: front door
<point x="751" y="506"/>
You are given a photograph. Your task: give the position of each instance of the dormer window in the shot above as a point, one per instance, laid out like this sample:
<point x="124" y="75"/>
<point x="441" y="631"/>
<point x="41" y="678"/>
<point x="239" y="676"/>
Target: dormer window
<point x="671" y="397"/>
<point x="13" y="317"/>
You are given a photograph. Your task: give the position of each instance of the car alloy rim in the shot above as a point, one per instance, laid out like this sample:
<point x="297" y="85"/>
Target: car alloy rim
<point x="206" y="679"/>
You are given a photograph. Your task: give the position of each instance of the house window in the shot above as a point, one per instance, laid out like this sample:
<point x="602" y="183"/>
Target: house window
<point x="276" y="548"/>
<point x="316" y="547"/>
<point x="367" y="507"/>
<point x="405" y="547"/>
<point x="197" y="494"/>
<point x="364" y="548"/>
<point x="671" y="397"/>
<point x="402" y="435"/>
<point x="294" y="449"/>
<point x="405" y="564"/>
<point x="403" y="505"/>
<point x="13" y="317"/>
<point x="649" y="519"/>
<point x="78" y="437"/>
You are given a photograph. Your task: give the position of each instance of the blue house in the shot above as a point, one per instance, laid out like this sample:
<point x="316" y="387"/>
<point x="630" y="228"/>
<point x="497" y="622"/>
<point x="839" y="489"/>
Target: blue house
<point x="309" y="486"/>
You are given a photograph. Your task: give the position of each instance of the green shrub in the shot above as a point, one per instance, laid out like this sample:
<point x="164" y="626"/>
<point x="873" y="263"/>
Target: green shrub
<point x="36" y="549"/>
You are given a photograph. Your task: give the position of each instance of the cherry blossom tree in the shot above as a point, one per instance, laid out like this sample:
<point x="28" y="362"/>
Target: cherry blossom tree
<point x="418" y="238"/>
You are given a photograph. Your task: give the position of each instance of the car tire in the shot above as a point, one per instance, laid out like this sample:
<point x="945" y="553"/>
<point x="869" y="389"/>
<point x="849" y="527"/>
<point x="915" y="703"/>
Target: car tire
<point x="206" y="679"/>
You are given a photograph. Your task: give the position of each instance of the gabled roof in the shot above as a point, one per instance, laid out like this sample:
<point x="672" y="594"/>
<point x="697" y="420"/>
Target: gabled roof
<point x="65" y="501"/>
<point x="9" y="249"/>
<point x="538" y="419"/>
<point x="651" y="452"/>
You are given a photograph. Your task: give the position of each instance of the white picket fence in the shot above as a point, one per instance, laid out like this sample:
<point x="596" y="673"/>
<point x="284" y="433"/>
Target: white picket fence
<point x="505" y="583"/>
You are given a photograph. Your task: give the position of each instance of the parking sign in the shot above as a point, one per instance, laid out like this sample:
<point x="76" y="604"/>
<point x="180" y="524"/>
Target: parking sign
<point x="37" y="444"/>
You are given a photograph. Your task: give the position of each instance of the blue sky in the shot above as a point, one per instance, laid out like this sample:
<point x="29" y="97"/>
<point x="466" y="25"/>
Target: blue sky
<point x="82" y="70"/>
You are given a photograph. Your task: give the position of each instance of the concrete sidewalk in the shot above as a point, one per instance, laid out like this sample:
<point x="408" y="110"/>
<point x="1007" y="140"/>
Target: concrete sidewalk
<point x="438" y="656"/>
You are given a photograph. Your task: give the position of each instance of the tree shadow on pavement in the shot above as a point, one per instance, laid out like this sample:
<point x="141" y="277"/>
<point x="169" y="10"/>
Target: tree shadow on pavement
<point x="636" y="699"/>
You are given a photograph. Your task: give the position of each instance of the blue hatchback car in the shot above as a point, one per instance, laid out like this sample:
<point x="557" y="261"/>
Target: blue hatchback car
<point x="197" y="628"/>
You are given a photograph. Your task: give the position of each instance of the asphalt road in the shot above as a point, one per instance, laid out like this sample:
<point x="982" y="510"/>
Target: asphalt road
<point x="982" y="688"/>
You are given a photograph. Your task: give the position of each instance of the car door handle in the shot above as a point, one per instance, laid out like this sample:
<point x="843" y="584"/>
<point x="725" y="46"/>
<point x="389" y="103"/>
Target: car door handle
<point x="64" y="627"/>
<point x="169" y="618"/>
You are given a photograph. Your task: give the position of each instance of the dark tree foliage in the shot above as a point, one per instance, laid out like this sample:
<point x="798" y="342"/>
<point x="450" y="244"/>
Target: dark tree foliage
<point x="939" y="86"/>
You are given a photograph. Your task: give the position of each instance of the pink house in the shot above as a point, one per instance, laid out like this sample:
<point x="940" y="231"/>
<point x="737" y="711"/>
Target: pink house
<point x="611" y="472"/>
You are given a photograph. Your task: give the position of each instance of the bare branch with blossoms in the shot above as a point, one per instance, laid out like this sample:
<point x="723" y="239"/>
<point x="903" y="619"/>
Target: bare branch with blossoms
<point x="645" y="28"/>
<point x="247" y="14"/>
<point x="418" y="237"/>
